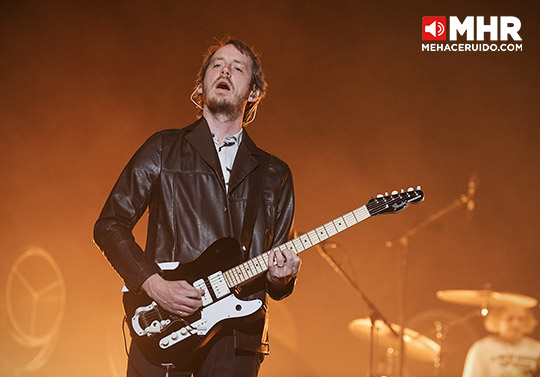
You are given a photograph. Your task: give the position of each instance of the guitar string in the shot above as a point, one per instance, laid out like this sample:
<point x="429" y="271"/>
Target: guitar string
<point x="373" y="206"/>
<point x="376" y="206"/>
<point x="188" y="325"/>
<point x="158" y="313"/>
<point x="310" y="236"/>
<point x="245" y="269"/>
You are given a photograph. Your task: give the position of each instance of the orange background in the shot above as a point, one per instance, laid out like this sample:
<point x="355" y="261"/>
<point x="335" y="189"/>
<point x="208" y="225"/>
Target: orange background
<point x="354" y="106"/>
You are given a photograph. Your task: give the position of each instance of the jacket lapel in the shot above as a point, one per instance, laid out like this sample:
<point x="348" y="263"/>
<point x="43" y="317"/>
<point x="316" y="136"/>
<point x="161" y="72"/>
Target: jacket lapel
<point x="247" y="159"/>
<point x="200" y="138"/>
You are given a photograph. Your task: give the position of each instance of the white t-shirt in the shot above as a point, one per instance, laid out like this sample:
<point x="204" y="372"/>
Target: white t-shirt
<point x="492" y="357"/>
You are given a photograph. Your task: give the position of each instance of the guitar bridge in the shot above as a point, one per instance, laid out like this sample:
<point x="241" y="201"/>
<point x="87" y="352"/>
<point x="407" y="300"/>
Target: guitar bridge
<point x="147" y="320"/>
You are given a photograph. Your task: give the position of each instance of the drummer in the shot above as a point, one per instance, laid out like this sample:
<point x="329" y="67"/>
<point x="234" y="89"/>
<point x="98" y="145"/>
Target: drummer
<point x="508" y="352"/>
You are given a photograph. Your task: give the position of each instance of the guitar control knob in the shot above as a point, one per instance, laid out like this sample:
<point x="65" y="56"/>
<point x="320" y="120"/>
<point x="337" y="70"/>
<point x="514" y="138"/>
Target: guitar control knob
<point x="183" y="332"/>
<point x="174" y="336"/>
<point x="164" y="342"/>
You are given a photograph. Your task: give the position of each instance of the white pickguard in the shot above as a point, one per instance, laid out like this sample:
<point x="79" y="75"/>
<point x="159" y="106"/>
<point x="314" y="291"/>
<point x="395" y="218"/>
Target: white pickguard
<point x="226" y="308"/>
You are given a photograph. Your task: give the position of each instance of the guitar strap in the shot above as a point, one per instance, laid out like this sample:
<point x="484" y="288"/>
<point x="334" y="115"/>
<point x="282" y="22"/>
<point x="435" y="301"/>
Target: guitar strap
<point x="253" y="204"/>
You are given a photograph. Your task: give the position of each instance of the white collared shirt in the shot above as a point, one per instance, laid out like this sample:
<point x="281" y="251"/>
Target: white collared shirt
<point x="227" y="153"/>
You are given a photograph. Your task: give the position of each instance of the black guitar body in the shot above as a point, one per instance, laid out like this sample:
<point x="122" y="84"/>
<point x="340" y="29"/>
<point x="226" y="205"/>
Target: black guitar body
<point x="166" y="338"/>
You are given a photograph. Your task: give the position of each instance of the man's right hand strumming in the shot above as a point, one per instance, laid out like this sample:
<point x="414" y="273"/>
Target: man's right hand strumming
<point x="177" y="297"/>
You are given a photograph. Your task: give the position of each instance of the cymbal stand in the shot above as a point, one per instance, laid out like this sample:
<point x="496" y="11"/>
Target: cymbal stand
<point x="403" y="241"/>
<point x="441" y="331"/>
<point x="375" y="313"/>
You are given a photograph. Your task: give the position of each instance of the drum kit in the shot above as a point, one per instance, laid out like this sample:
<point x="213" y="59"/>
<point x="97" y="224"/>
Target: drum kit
<point x="420" y="347"/>
<point x="397" y="342"/>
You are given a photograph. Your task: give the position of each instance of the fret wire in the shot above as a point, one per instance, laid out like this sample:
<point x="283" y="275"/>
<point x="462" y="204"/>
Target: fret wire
<point x="349" y="219"/>
<point x="321" y="232"/>
<point x="245" y="270"/>
<point x="256" y="264"/>
<point x="275" y="250"/>
<point x="290" y="245"/>
<point x="265" y="259"/>
<point x="362" y="213"/>
<point x="262" y="262"/>
<point x="339" y="223"/>
<point x="259" y="264"/>
<point x="297" y="245"/>
<point x="355" y="218"/>
<point x="253" y="268"/>
<point x="228" y="279"/>
<point x="333" y="231"/>
<point x="243" y="267"/>
<point x="232" y="276"/>
<point x="313" y="237"/>
<point x="239" y="274"/>
<point x="305" y="241"/>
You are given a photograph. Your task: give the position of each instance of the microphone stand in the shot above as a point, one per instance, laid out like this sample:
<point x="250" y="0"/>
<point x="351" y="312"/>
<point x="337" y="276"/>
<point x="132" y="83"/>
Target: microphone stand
<point x="404" y="257"/>
<point x="442" y="329"/>
<point x="375" y="313"/>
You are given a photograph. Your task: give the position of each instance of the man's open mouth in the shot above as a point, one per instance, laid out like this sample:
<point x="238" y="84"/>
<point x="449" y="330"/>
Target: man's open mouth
<point x="222" y="84"/>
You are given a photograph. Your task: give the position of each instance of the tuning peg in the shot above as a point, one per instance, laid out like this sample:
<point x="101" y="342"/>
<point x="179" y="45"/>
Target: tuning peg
<point x="380" y="196"/>
<point x="402" y="191"/>
<point x="394" y="192"/>
<point x="410" y="189"/>
<point x="418" y="188"/>
<point x="386" y="193"/>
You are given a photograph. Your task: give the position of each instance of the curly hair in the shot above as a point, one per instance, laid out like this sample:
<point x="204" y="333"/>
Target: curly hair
<point x="257" y="76"/>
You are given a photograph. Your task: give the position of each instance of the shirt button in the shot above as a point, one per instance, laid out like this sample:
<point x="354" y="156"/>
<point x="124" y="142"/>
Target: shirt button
<point x="224" y="209"/>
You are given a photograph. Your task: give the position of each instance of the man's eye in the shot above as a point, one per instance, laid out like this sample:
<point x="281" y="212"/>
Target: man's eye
<point x="238" y="69"/>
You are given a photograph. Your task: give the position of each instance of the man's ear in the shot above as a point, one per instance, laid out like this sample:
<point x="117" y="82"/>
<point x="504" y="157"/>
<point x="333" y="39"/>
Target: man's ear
<point x="254" y="95"/>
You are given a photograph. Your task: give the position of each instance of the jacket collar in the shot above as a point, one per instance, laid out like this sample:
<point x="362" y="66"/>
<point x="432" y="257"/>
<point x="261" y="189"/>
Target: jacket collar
<point x="247" y="157"/>
<point x="200" y="138"/>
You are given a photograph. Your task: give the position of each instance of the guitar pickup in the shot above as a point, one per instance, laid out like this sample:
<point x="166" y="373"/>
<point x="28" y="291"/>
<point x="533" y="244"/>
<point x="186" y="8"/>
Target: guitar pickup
<point x="219" y="285"/>
<point x="206" y="298"/>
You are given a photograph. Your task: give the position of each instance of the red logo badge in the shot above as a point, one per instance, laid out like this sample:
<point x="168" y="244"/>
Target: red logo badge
<point x="433" y="28"/>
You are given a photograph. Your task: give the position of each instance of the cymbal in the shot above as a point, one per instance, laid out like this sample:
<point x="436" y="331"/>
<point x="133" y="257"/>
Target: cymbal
<point x="417" y="345"/>
<point x="486" y="298"/>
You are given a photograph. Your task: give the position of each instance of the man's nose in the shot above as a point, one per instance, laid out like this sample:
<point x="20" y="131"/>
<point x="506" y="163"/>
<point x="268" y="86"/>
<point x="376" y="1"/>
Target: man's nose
<point x="225" y="71"/>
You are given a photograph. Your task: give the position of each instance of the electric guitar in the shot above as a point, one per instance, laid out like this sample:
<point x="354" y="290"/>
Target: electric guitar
<point x="165" y="338"/>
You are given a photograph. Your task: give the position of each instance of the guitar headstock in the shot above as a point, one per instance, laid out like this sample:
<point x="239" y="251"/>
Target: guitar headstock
<point x="394" y="202"/>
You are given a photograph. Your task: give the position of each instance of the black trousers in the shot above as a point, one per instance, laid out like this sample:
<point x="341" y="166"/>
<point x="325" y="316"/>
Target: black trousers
<point x="220" y="360"/>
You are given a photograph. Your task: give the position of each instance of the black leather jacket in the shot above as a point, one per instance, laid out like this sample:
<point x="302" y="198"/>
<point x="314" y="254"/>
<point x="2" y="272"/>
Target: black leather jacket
<point x="178" y="176"/>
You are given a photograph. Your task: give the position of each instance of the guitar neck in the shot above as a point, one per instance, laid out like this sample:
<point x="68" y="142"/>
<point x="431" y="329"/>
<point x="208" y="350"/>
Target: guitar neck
<point x="254" y="267"/>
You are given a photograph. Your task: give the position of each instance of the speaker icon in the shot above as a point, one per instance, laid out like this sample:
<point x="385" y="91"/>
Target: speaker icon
<point x="434" y="28"/>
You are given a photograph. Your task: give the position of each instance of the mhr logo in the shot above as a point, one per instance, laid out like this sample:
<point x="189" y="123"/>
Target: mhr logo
<point x="498" y="28"/>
